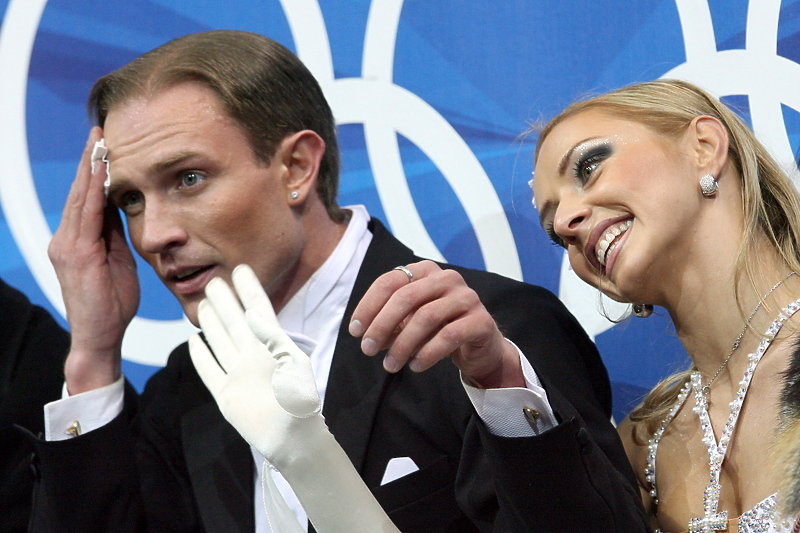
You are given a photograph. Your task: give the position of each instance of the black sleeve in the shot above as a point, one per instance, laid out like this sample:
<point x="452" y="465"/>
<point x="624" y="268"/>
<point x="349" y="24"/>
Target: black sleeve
<point x="128" y="476"/>
<point x="575" y="477"/>
<point x="560" y="481"/>
<point x="90" y="483"/>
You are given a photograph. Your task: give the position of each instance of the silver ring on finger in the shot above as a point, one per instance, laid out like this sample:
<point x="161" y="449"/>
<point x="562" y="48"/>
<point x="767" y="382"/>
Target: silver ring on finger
<point x="405" y="271"/>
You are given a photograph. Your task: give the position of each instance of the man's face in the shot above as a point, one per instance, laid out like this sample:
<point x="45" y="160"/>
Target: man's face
<point x="196" y="200"/>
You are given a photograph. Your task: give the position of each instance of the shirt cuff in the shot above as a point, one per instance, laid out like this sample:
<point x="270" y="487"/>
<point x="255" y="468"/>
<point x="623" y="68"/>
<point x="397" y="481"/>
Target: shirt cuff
<point x="514" y="411"/>
<point x="74" y="415"/>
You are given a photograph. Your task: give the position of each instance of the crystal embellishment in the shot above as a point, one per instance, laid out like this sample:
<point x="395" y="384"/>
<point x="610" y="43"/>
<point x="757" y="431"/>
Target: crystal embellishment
<point x="712" y="520"/>
<point x="717" y="522"/>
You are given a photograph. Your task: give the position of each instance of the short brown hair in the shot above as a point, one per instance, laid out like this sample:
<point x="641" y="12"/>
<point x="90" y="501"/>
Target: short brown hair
<point x="262" y="85"/>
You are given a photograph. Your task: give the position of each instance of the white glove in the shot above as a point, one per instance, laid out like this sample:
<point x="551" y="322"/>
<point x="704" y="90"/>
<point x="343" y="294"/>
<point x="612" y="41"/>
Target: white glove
<point x="264" y="386"/>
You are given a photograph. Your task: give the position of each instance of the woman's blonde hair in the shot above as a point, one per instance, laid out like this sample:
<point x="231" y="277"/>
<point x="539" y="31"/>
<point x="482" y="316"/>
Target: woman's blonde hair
<point x="771" y="202"/>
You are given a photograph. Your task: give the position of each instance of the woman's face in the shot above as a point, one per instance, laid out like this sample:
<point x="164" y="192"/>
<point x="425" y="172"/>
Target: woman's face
<point x="621" y="199"/>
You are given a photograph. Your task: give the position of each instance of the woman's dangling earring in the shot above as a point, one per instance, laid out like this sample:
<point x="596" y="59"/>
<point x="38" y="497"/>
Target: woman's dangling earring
<point x="642" y="310"/>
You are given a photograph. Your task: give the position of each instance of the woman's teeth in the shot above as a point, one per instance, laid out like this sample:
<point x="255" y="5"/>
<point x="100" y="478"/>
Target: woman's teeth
<point x="606" y="244"/>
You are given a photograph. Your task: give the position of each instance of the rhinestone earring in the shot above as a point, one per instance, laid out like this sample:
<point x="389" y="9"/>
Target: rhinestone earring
<point x="708" y="185"/>
<point x="642" y="310"/>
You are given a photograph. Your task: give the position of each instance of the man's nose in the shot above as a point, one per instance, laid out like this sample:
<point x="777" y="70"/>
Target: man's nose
<point x="161" y="229"/>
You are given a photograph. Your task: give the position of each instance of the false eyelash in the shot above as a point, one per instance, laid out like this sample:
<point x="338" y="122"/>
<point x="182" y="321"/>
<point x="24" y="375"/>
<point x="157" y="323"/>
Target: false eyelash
<point x="555" y="240"/>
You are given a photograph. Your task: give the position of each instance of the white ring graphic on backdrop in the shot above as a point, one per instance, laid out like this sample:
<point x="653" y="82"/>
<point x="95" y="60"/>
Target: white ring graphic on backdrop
<point x="384" y="108"/>
<point x="730" y="72"/>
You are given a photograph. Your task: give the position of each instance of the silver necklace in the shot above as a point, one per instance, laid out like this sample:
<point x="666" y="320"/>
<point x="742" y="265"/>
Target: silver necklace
<point x="712" y="520"/>
<point x="738" y="340"/>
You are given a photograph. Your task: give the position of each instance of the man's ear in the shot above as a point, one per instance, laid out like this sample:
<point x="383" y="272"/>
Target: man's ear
<point x="708" y="139"/>
<point x="301" y="154"/>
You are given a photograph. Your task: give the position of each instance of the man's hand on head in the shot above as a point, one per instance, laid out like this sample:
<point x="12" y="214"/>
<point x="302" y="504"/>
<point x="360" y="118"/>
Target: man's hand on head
<point x="97" y="274"/>
<point x="422" y="314"/>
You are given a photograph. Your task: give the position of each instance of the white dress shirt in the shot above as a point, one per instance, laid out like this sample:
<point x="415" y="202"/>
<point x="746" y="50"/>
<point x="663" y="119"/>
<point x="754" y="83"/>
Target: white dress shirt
<point x="312" y="319"/>
<point x="503" y="410"/>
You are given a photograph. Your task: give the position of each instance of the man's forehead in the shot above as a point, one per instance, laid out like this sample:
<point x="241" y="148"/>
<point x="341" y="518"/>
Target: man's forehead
<point x="185" y="98"/>
<point x="182" y="113"/>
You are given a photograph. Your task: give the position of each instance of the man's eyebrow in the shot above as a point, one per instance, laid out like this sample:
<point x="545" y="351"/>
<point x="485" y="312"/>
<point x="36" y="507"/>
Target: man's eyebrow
<point x="171" y="161"/>
<point x="579" y="146"/>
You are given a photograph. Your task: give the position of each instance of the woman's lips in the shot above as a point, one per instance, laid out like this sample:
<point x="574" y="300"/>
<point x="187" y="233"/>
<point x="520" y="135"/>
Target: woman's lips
<point x="609" y="240"/>
<point x="602" y="237"/>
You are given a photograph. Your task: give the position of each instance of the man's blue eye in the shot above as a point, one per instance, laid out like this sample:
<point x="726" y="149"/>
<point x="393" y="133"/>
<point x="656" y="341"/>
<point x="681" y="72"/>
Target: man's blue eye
<point x="191" y="178"/>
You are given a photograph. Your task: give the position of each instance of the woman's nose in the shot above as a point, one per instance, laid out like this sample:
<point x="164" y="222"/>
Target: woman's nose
<point x="570" y="218"/>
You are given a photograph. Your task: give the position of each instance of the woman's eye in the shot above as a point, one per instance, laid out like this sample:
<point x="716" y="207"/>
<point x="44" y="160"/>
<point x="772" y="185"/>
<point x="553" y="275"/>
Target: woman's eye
<point x="590" y="161"/>
<point x="587" y="167"/>
<point x="191" y="178"/>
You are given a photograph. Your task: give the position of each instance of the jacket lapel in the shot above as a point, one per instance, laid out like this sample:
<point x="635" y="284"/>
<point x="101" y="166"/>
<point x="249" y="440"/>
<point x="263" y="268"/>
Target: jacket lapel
<point x="221" y="470"/>
<point x="356" y="381"/>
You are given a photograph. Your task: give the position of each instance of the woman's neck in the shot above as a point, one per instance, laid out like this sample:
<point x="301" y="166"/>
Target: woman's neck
<point x="710" y="322"/>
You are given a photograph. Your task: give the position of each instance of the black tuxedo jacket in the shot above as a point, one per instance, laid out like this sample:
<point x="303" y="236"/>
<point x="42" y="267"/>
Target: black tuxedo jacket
<point x="32" y="351"/>
<point x="195" y="473"/>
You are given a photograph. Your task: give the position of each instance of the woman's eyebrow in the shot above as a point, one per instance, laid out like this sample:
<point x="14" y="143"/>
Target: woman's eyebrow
<point x="580" y="146"/>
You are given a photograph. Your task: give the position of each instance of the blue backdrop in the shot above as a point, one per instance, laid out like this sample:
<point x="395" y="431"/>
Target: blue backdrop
<point x="432" y="99"/>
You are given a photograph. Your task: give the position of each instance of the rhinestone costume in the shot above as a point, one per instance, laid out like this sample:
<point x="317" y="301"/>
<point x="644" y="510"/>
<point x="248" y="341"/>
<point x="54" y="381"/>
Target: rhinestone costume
<point x="762" y="517"/>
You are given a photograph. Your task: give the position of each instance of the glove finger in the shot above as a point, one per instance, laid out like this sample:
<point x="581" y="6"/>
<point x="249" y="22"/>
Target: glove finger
<point x="270" y="333"/>
<point x="230" y="314"/>
<point x="217" y="336"/>
<point x="207" y="367"/>
<point x="251" y="293"/>
<point x="259" y="313"/>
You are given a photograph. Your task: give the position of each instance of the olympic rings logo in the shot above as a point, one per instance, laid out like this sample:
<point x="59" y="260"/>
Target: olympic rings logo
<point x="386" y="110"/>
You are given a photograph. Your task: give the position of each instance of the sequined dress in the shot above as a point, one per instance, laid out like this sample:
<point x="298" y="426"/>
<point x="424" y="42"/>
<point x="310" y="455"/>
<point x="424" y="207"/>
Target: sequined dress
<point x="762" y="518"/>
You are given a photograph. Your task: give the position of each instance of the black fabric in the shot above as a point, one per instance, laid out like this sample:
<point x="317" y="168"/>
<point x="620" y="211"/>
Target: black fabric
<point x="196" y="473"/>
<point x="32" y="351"/>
